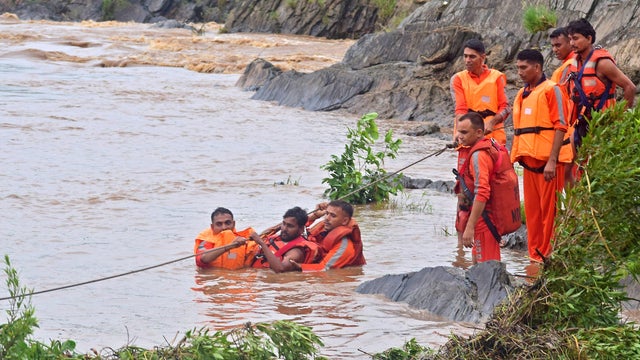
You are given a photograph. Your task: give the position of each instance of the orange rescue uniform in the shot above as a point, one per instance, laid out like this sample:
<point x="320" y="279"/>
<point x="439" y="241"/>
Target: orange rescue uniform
<point x="484" y="93"/>
<point x="476" y="171"/>
<point x="536" y="118"/>
<point x="233" y="259"/>
<point x="340" y="247"/>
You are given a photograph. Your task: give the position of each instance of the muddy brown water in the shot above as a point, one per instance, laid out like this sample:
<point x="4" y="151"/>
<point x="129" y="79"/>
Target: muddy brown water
<point x="118" y="140"/>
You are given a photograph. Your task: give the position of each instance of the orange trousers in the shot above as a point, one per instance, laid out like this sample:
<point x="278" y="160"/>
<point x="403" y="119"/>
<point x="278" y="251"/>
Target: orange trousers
<point x="485" y="246"/>
<point x="540" y="199"/>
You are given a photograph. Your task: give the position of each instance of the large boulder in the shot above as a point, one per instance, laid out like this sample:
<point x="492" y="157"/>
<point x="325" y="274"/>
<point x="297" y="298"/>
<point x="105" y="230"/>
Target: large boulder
<point x="409" y="68"/>
<point x="447" y="291"/>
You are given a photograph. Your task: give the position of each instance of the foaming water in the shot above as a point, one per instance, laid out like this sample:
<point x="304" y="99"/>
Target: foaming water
<point x="112" y="169"/>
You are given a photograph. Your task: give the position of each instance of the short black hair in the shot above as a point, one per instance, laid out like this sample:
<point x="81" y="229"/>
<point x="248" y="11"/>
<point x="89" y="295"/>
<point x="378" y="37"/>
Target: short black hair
<point x="582" y="27"/>
<point x="559" y="32"/>
<point x="477" y="121"/>
<point x="531" y="55"/>
<point x="299" y="214"/>
<point x="345" y="206"/>
<point x="220" y="211"/>
<point x="475" y="44"/>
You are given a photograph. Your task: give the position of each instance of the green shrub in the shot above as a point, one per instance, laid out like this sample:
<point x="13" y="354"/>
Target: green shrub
<point x="357" y="176"/>
<point x="572" y="310"/>
<point x="538" y="18"/>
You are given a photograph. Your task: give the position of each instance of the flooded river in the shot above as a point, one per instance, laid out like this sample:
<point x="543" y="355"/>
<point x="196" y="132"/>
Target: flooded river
<point x="118" y="140"/>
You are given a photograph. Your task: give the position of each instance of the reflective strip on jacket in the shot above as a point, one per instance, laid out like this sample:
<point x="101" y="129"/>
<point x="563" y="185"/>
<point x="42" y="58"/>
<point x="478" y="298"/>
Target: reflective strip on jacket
<point x="340" y="247"/>
<point x="537" y="117"/>
<point x="592" y="86"/>
<point x="488" y="94"/>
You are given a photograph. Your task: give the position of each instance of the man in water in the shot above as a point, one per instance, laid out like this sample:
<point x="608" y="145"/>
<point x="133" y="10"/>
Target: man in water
<point x="337" y="235"/>
<point x="474" y="179"/>
<point x="221" y="246"/>
<point x="280" y="252"/>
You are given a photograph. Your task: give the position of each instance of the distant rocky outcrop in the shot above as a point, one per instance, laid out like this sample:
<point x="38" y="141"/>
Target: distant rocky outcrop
<point x="405" y="73"/>
<point x="449" y="292"/>
<point x="317" y="18"/>
<point x="333" y="19"/>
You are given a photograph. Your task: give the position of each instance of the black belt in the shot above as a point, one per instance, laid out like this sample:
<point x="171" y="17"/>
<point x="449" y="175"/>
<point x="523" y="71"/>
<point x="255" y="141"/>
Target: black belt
<point x="530" y="130"/>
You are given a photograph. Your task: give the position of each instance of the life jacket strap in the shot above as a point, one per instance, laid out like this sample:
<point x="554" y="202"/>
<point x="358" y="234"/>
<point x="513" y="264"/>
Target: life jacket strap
<point x="531" y="130"/>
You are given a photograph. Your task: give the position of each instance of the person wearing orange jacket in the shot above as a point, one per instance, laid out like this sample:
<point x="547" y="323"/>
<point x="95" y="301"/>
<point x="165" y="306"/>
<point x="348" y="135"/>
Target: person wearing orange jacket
<point x="337" y="235"/>
<point x="474" y="180"/>
<point x="482" y="90"/>
<point x="278" y="251"/>
<point x="561" y="47"/>
<point x="594" y="78"/>
<point x="221" y="246"/>
<point x="540" y="124"/>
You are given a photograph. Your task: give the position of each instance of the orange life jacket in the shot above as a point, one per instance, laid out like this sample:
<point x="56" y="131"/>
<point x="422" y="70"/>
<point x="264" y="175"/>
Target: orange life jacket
<point x="327" y="240"/>
<point x="588" y="92"/>
<point x="533" y="129"/>
<point x="280" y="248"/>
<point x="502" y="211"/>
<point x="483" y="99"/>
<point x="233" y="259"/>
<point x="561" y="75"/>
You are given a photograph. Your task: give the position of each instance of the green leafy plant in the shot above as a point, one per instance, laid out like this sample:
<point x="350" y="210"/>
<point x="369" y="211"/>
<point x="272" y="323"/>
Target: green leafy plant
<point x="410" y="350"/>
<point x="357" y="176"/>
<point x="20" y="317"/>
<point x="538" y="18"/>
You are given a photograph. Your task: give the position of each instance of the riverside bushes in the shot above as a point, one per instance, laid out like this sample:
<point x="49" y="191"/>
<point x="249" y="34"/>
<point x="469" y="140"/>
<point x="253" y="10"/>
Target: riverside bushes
<point x="572" y="311"/>
<point x="357" y="176"/>
<point x="262" y="341"/>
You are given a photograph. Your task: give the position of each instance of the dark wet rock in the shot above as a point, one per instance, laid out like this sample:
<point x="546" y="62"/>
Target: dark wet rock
<point x="333" y="19"/>
<point x="424" y="129"/>
<point x="438" y="185"/>
<point x="632" y="287"/>
<point x="320" y="90"/>
<point x="256" y="74"/>
<point x="449" y="292"/>
<point x="516" y="240"/>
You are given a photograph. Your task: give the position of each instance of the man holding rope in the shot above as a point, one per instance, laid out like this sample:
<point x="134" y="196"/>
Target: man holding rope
<point x="233" y="251"/>
<point x="337" y="235"/>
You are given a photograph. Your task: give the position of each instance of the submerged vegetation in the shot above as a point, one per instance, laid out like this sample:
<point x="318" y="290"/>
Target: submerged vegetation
<point x="572" y="311"/>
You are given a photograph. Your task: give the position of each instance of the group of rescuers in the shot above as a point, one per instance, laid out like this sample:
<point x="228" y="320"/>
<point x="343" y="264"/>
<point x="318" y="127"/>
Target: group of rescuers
<point x="550" y="118"/>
